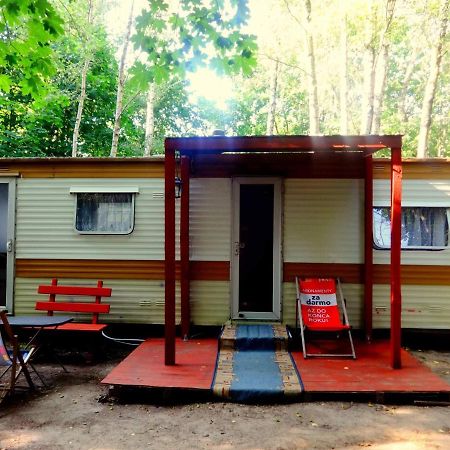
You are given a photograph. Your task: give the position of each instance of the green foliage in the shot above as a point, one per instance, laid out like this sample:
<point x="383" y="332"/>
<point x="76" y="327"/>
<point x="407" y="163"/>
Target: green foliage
<point x="175" y="115"/>
<point x="27" y="29"/>
<point x="176" y="41"/>
<point x="410" y="37"/>
<point x="44" y="126"/>
<point x="40" y="66"/>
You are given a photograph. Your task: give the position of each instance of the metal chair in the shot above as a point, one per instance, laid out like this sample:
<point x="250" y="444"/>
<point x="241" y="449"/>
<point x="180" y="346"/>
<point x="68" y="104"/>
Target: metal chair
<point x="317" y="310"/>
<point x="13" y="360"/>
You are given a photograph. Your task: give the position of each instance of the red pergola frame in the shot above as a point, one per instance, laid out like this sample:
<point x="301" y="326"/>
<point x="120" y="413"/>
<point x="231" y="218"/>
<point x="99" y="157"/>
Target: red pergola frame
<point x="361" y="146"/>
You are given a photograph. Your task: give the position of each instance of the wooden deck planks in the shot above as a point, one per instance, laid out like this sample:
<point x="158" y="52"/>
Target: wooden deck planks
<point x="196" y="362"/>
<point x="370" y="372"/>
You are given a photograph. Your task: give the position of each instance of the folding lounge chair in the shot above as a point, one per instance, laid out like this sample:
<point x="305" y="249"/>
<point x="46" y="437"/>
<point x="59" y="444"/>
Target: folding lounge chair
<point x="13" y="361"/>
<point x="317" y="311"/>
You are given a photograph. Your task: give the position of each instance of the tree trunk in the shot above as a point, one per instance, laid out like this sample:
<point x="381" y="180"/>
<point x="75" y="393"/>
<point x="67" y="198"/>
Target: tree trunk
<point x="369" y="74"/>
<point x="343" y="91"/>
<point x="380" y="84"/>
<point x="313" y="101"/>
<point x="120" y="86"/>
<point x="369" y="83"/>
<point x="373" y="55"/>
<point x="150" y="120"/>
<point x="430" y="88"/>
<point x="82" y="97"/>
<point x="272" y="100"/>
<point x="404" y="91"/>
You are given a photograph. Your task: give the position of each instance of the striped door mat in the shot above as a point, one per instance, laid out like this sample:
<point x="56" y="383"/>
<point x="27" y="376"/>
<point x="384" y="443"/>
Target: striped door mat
<point x="254" y="365"/>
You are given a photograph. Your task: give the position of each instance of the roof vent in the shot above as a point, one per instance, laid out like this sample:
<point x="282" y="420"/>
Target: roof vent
<point x="218" y="133"/>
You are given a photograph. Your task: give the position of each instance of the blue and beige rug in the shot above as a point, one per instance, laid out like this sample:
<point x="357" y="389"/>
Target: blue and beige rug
<point x="254" y="365"/>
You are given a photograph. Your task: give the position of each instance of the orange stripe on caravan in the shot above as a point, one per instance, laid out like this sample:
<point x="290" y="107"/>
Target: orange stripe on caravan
<point x="348" y="273"/>
<point x="90" y="269"/>
<point x="291" y="166"/>
<point x="220" y="271"/>
<point x="85" y="168"/>
<point x="354" y="273"/>
<point x="414" y="275"/>
<point x="116" y="269"/>
<point x="210" y="270"/>
<point x="414" y="169"/>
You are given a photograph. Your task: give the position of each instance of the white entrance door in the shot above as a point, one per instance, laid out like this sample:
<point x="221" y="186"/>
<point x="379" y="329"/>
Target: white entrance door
<point x="7" y="226"/>
<point x="256" y="248"/>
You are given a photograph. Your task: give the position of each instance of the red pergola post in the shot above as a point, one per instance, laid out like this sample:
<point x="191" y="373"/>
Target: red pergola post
<point x="396" y="219"/>
<point x="368" y="246"/>
<point x="184" y="248"/>
<point x="169" y="250"/>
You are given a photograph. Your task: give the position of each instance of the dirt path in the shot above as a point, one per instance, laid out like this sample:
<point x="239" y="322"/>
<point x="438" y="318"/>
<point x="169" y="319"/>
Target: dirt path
<point x="70" y="416"/>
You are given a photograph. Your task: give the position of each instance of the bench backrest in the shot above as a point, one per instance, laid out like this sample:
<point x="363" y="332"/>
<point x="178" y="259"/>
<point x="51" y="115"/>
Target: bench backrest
<point x="54" y="289"/>
<point x="75" y="290"/>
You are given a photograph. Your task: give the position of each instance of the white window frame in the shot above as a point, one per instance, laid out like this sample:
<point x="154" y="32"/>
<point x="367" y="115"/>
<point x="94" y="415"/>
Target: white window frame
<point x="132" y="190"/>
<point x="416" y="247"/>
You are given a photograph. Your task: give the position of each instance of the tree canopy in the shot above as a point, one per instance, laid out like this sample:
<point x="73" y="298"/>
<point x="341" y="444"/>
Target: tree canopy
<point x="27" y="29"/>
<point x="297" y="66"/>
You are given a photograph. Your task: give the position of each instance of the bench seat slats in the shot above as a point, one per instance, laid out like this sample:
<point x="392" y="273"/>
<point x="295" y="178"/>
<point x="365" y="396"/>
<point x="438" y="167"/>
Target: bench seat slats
<point x="102" y="308"/>
<point x="75" y="290"/>
<point x="82" y="326"/>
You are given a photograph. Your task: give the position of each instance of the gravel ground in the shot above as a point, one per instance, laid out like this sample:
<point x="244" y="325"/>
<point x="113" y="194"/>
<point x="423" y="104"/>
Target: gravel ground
<point x="70" y="415"/>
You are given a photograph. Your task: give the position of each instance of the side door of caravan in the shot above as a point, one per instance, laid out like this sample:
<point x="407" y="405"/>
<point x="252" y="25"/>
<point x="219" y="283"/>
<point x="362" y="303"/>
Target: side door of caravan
<point x="256" y="252"/>
<point x="7" y="229"/>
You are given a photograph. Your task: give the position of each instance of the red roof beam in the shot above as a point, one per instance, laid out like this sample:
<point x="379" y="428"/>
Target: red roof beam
<point x="282" y="144"/>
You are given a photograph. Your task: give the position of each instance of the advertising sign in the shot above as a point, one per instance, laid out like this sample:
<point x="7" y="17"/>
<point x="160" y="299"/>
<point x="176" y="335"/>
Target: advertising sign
<point x="318" y="302"/>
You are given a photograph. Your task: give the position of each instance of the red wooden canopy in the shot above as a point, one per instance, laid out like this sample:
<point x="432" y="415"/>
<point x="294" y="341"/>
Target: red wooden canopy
<point x="339" y="150"/>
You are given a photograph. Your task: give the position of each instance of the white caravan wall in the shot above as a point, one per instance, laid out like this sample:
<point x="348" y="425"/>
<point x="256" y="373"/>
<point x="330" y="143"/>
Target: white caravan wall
<point x="46" y="209"/>
<point x="210" y="219"/>
<point x="323" y="221"/>
<point x="45" y="222"/>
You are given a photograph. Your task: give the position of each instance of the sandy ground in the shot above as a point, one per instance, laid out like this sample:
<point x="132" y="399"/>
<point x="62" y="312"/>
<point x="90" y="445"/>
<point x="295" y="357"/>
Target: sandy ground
<point x="70" y="415"/>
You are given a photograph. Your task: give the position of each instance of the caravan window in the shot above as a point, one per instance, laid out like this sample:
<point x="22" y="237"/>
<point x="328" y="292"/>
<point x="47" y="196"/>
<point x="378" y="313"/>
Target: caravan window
<point x="110" y="211"/>
<point x="105" y="213"/>
<point x="423" y="228"/>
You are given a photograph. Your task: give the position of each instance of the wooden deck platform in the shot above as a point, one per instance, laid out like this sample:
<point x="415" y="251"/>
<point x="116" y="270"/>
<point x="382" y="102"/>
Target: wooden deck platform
<point x="369" y="377"/>
<point x="144" y="367"/>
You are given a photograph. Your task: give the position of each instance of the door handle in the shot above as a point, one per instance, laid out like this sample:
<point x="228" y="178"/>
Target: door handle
<point x="9" y="246"/>
<point x="237" y="247"/>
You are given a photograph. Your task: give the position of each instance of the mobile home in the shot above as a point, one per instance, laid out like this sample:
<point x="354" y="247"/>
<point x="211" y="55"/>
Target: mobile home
<point x="255" y="221"/>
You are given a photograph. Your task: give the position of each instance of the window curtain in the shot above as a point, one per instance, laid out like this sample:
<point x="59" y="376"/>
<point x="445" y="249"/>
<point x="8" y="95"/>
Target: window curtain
<point x="421" y="227"/>
<point x="424" y="227"/>
<point x="108" y="213"/>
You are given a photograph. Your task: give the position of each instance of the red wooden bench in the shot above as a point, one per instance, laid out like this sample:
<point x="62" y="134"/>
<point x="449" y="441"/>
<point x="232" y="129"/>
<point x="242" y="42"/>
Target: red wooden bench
<point x="96" y="308"/>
